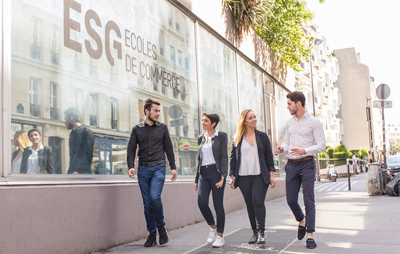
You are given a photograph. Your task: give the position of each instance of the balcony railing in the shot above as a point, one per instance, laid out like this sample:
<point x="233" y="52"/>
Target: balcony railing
<point x="114" y="124"/>
<point x="54" y="113"/>
<point x="35" y="110"/>
<point x="93" y="120"/>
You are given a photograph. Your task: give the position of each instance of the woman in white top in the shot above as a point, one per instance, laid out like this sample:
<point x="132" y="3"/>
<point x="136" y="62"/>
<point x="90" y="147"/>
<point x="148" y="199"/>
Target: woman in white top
<point x="21" y="141"/>
<point x="252" y="170"/>
<point x="212" y="169"/>
<point x="37" y="159"/>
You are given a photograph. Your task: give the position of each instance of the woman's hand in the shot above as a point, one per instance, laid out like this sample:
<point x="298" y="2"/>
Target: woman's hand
<point x="272" y="179"/>
<point x="232" y="182"/>
<point x="195" y="186"/>
<point x="220" y="183"/>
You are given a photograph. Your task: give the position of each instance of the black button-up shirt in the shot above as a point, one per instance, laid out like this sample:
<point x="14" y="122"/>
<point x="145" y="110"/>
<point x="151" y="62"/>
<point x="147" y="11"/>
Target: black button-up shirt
<point x="154" y="141"/>
<point x="81" y="141"/>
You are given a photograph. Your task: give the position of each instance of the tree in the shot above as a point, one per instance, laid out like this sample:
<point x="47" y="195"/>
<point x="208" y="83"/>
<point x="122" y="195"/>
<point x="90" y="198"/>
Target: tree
<point x="283" y="31"/>
<point x="394" y="147"/>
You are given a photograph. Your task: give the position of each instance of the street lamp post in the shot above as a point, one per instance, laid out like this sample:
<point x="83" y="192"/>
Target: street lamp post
<point x="316" y="42"/>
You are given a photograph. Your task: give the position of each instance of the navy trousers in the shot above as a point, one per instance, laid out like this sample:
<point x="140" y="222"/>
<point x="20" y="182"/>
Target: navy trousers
<point x="298" y="173"/>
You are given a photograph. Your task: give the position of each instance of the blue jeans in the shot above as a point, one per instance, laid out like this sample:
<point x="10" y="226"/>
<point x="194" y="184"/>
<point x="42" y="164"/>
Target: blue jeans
<point x="209" y="177"/>
<point x="151" y="182"/>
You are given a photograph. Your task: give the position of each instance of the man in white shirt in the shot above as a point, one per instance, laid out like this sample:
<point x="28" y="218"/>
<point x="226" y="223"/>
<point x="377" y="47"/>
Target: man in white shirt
<point x="354" y="164"/>
<point x="304" y="137"/>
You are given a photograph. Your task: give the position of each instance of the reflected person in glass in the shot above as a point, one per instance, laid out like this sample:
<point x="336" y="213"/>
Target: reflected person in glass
<point x="252" y="170"/>
<point x="81" y="142"/>
<point x="37" y="159"/>
<point x="21" y="141"/>
<point x="212" y="168"/>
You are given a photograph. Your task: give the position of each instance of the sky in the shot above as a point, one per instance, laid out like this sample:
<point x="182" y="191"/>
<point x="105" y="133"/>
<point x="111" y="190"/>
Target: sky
<point x="373" y="29"/>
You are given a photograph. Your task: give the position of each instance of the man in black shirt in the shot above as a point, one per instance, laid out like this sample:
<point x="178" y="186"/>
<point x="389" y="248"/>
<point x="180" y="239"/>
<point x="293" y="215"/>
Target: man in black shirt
<point x="81" y="141"/>
<point x="153" y="140"/>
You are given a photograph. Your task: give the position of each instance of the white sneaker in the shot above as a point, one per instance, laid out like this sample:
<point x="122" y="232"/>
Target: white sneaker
<point x="211" y="235"/>
<point x="219" y="242"/>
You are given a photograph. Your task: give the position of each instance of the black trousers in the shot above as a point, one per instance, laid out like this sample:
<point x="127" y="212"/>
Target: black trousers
<point x="298" y="173"/>
<point x="254" y="191"/>
<point x="209" y="177"/>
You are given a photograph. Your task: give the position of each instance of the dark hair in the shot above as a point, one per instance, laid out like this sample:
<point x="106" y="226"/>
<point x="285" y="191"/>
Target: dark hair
<point x="74" y="113"/>
<point x="214" y="118"/>
<point x="297" y="96"/>
<point x="149" y="104"/>
<point x="33" y="130"/>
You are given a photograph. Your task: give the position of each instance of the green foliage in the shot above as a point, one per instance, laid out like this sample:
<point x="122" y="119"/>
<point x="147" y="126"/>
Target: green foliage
<point x="329" y="150"/>
<point x="364" y="153"/>
<point x="357" y="151"/>
<point x="340" y="155"/>
<point x="323" y="155"/>
<point x="394" y="147"/>
<point x="341" y="148"/>
<point x="349" y="155"/>
<point x="247" y="14"/>
<point x="282" y="31"/>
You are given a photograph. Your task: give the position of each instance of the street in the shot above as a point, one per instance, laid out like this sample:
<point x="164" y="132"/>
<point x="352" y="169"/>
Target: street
<point x="347" y="222"/>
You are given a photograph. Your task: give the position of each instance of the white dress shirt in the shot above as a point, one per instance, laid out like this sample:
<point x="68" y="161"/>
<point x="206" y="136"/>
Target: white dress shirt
<point x="207" y="156"/>
<point x="306" y="133"/>
<point x="33" y="161"/>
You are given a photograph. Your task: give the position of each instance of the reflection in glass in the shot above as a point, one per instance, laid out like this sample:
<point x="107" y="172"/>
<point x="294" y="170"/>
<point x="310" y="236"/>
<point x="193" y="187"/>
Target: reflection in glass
<point x="251" y="91"/>
<point x="218" y="81"/>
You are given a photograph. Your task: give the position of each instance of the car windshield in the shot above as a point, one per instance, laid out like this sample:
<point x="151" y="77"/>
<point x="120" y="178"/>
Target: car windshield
<point x="393" y="160"/>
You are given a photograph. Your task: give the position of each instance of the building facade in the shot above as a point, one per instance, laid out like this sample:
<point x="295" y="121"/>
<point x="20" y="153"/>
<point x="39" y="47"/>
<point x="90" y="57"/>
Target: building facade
<point x="327" y="96"/>
<point x="358" y="93"/>
<point x="105" y="59"/>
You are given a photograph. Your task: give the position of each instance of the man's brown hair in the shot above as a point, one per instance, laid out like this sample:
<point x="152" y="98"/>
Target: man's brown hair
<point x="297" y="96"/>
<point x="149" y="104"/>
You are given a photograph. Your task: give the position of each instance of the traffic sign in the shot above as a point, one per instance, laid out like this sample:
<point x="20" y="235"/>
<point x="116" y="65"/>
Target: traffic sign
<point x="175" y="112"/>
<point x="178" y="122"/>
<point x="386" y="104"/>
<point x="383" y="91"/>
<point x="186" y="148"/>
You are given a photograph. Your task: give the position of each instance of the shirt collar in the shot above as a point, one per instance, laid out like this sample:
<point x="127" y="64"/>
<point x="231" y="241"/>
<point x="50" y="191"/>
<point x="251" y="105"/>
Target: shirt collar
<point x="143" y="124"/>
<point x="214" y="135"/>
<point x="305" y="115"/>
<point x="40" y="148"/>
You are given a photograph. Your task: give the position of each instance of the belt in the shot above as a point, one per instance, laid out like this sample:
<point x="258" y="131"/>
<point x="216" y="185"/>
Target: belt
<point x="151" y="163"/>
<point x="301" y="159"/>
<point x="208" y="166"/>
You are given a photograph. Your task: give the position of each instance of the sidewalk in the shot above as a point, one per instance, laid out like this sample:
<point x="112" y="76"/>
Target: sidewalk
<point x="347" y="222"/>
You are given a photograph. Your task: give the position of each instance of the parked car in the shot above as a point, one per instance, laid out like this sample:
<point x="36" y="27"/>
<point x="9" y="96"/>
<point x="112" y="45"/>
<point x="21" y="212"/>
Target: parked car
<point x="393" y="163"/>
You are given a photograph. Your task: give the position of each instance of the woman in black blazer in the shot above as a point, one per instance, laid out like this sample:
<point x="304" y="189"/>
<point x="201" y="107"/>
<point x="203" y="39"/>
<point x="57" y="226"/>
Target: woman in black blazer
<point x="252" y="170"/>
<point x="37" y="159"/>
<point x="212" y="169"/>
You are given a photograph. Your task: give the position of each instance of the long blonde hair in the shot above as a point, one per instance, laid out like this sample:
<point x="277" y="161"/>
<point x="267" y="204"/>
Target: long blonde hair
<point x="23" y="139"/>
<point x="241" y="128"/>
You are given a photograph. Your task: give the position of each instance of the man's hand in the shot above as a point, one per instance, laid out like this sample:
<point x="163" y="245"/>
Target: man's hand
<point x="196" y="186"/>
<point x="297" y="152"/>
<point x="272" y="180"/>
<point x="174" y="175"/>
<point x="279" y="150"/>
<point x="131" y="173"/>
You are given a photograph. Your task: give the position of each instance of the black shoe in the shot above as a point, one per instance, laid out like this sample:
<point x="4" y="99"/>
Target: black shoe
<point x="151" y="241"/>
<point x="311" y="243"/>
<point x="163" y="236"/>
<point x="301" y="232"/>
<point x="254" y="238"/>
<point x="261" y="237"/>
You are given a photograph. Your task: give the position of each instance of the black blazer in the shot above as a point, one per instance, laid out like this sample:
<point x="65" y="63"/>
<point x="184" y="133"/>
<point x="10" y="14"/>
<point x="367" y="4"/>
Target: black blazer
<point x="220" y="151"/>
<point x="45" y="160"/>
<point x="264" y="154"/>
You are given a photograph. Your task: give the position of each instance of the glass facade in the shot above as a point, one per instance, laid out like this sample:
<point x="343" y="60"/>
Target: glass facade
<point x="106" y="58"/>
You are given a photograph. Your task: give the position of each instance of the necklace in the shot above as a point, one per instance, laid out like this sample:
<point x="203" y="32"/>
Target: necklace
<point x="247" y="136"/>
